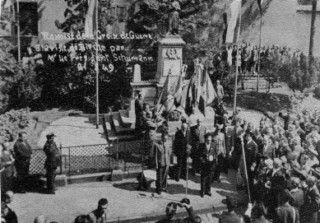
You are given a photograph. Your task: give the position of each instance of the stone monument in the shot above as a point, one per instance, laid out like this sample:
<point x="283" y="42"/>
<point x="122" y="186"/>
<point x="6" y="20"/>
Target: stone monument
<point x="169" y="63"/>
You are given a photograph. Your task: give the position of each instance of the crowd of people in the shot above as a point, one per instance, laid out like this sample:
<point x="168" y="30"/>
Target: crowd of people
<point x="15" y="164"/>
<point x="277" y="162"/>
<point x="281" y="164"/>
<point x="248" y="56"/>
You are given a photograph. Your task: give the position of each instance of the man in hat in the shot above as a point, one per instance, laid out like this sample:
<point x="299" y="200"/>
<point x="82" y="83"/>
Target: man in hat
<point x="52" y="161"/>
<point x="22" y="152"/>
<point x="197" y="133"/>
<point x="230" y="215"/>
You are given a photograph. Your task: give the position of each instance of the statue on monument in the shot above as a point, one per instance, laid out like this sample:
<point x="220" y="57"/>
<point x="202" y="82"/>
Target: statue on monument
<point x="173" y="27"/>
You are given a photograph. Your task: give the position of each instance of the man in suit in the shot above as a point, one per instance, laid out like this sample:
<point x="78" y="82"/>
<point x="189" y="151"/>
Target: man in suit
<point x="208" y="156"/>
<point x="230" y="216"/>
<point x="297" y="195"/>
<point x="22" y="152"/>
<point x="310" y="208"/>
<point x="251" y="151"/>
<point x="219" y="145"/>
<point x="182" y="149"/>
<point x="266" y="150"/>
<point x="197" y="134"/>
<point x="277" y="184"/>
<point x="220" y="91"/>
<point x="162" y="162"/>
<point x="52" y="161"/>
<point x="285" y="212"/>
<point x="138" y="105"/>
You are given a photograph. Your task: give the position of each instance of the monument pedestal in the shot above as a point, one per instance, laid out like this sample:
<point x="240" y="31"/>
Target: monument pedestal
<point x="169" y="63"/>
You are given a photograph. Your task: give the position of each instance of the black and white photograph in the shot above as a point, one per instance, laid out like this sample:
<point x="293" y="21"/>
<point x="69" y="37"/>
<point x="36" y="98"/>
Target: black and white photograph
<point x="160" y="111"/>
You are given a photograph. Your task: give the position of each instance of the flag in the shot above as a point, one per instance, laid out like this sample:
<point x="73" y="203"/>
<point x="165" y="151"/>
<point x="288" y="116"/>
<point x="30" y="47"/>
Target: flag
<point x="208" y="94"/>
<point x="260" y="5"/>
<point x="235" y="7"/>
<point x="189" y="98"/>
<point x="178" y="92"/>
<point x="165" y="90"/>
<point x="88" y="25"/>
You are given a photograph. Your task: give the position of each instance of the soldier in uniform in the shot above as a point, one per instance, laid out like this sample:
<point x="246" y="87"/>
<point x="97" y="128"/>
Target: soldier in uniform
<point x="22" y="152"/>
<point x="52" y="161"/>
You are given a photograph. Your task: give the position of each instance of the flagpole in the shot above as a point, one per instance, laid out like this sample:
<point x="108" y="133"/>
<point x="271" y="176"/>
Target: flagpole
<point x="245" y="169"/>
<point x="259" y="53"/>
<point x="97" y="68"/>
<point x="18" y="32"/>
<point x="237" y="62"/>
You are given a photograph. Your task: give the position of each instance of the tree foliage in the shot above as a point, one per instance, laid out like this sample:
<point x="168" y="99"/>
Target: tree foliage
<point x="12" y="122"/>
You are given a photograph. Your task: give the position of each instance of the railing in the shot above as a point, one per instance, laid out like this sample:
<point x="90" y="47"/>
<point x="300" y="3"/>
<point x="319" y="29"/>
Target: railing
<point x="95" y="158"/>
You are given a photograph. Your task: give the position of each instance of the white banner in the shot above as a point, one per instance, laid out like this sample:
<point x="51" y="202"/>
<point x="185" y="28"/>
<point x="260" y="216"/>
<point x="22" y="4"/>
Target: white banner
<point x="235" y="7"/>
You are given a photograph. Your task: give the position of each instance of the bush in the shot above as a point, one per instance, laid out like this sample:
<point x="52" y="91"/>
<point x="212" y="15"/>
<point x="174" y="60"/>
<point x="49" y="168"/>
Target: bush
<point x="12" y="122"/>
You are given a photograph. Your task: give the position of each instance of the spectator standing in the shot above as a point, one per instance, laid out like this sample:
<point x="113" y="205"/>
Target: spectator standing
<point x="251" y="151"/>
<point x="229" y="52"/>
<point x="197" y="134"/>
<point x="258" y="214"/>
<point x="162" y="162"/>
<point x="219" y="145"/>
<point x="297" y="195"/>
<point x="230" y="216"/>
<point x="286" y="213"/>
<point x="138" y="105"/>
<point x="22" y="152"/>
<point x="52" y="161"/>
<point x="208" y="158"/>
<point x="310" y="208"/>
<point x="220" y="91"/>
<point x="100" y="214"/>
<point x="255" y="57"/>
<point x="182" y="149"/>
<point x="7" y="175"/>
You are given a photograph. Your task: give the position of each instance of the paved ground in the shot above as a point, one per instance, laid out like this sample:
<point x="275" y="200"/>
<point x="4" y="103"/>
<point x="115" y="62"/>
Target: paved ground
<point x="124" y="200"/>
